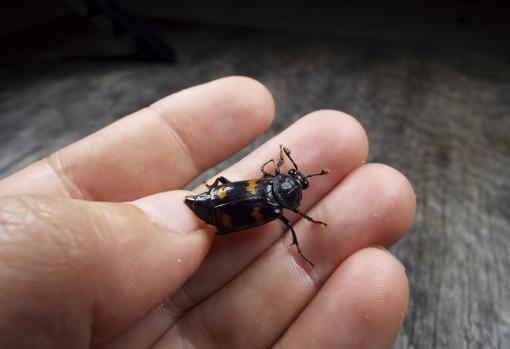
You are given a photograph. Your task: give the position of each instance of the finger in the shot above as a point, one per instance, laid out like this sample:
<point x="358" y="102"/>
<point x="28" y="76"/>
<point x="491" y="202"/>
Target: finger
<point x="322" y="139"/>
<point x="374" y="204"/>
<point x="362" y="305"/>
<point x="71" y="265"/>
<point x="158" y="148"/>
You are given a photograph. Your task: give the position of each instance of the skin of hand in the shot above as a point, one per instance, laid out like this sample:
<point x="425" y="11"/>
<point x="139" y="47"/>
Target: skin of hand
<point x="97" y="248"/>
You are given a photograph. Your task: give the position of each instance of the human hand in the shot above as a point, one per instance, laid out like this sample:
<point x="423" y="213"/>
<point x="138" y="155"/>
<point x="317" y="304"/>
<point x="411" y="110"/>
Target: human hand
<point x="97" y="248"/>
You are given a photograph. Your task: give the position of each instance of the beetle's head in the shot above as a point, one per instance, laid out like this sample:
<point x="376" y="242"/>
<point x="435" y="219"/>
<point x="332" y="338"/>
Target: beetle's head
<point x="300" y="177"/>
<point x="295" y="173"/>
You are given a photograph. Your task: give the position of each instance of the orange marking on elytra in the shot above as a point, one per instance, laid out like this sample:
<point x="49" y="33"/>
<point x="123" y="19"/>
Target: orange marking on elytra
<point x="255" y="213"/>
<point x="226" y="220"/>
<point x="250" y="186"/>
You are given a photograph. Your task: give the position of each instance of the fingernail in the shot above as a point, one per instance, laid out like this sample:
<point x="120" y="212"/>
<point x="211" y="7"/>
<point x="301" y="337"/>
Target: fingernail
<point x="169" y="210"/>
<point x="382" y="248"/>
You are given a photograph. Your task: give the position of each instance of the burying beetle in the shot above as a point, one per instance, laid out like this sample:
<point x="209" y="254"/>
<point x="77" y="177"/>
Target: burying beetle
<point x="235" y="206"/>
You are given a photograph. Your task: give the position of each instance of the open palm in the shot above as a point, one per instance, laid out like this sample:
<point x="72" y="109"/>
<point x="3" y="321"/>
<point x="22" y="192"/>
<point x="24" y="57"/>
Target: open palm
<point x="97" y="248"/>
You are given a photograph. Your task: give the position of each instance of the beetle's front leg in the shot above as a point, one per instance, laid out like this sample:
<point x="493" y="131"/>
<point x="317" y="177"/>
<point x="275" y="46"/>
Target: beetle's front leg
<point x="310" y="219"/>
<point x="262" y="169"/>
<point x="294" y="239"/>
<point x="220" y="179"/>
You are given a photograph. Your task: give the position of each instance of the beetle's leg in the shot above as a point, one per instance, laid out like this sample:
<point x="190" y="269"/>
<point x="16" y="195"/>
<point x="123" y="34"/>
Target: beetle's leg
<point x="310" y="219"/>
<point x="280" y="161"/>
<point x="287" y="152"/>
<point x="324" y="171"/>
<point x="220" y="179"/>
<point x="264" y="173"/>
<point x="294" y="239"/>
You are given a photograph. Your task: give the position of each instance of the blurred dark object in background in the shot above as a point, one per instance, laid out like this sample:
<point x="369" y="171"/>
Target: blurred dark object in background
<point x="63" y="19"/>
<point x="481" y="25"/>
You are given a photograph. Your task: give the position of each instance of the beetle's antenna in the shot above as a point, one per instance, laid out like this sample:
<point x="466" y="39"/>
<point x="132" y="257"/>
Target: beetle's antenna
<point x="287" y="152"/>
<point x="323" y="172"/>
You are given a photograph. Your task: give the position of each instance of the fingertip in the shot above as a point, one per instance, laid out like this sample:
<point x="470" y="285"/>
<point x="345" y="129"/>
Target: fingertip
<point x="258" y="102"/>
<point x="155" y="243"/>
<point x="396" y="197"/>
<point x="377" y="300"/>
<point x="249" y="103"/>
<point x="361" y="305"/>
<point x="385" y="288"/>
<point x="346" y="129"/>
<point x="251" y="110"/>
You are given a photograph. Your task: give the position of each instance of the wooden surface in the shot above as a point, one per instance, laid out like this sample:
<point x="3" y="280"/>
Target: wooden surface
<point x="439" y="115"/>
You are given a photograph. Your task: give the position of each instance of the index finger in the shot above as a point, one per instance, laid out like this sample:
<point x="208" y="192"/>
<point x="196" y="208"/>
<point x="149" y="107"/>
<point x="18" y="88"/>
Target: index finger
<point x="158" y="148"/>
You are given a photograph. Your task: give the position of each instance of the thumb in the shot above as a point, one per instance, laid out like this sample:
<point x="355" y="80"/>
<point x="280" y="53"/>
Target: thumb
<point x="77" y="270"/>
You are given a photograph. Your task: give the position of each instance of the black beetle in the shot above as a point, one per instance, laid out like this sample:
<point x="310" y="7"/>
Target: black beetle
<point x="235" y="206"/>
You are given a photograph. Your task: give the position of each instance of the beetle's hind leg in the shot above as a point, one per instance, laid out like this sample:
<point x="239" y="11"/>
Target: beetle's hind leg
<point x="220" y="179"/>
<point x="294" y="239"/>
<point x="262" y="169"/>
<point x="310" y="219"/>
<point x="281" y="160"/>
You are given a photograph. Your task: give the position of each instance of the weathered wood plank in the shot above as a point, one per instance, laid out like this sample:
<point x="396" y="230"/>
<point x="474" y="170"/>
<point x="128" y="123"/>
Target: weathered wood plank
<point x="441" y="117"/>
